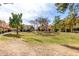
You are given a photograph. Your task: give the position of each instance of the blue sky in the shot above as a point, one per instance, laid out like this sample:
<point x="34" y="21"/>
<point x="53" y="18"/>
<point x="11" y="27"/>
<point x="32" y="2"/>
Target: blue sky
<point x="30" y="11"/>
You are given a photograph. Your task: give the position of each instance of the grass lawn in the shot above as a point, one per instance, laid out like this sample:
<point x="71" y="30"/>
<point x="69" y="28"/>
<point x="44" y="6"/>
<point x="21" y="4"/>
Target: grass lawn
<point x="44" y="38"/>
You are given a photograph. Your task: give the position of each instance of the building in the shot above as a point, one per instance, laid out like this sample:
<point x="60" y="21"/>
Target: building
<point x="4" y="27"/>
<point x="28" y="28"/>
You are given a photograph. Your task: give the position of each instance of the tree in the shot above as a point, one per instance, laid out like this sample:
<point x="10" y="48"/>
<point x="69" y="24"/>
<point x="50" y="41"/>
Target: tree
<point x="2" y="25"/>
<point x="72" y="20"/>
<point x="62" y="7"/>
<point x="40" y="23"/>
<point x="34" y="23"/>
<point x="62" y="25"/>
<point x="43" y="23"/>
<point x="21" y="27"/>
<point x="56" y="22"/>
<point x="73" y="8"/>
<point x="15" y="21"/>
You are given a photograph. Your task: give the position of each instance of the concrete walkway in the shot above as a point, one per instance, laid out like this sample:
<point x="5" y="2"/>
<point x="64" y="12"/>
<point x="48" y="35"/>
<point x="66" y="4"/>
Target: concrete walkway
<point x="5" y="33"/>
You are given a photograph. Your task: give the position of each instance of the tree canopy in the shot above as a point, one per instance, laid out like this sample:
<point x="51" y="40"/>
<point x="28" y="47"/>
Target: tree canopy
<point x="15" y="21"/>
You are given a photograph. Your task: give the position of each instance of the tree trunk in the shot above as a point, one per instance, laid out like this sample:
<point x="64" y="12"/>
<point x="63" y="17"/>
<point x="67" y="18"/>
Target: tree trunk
<point x="59" y="29"/>
<point x="65" y="30"/>
<point x="3" y="30"/>
<point x="17" y="30"/>
<point x="71" y="29"/>
<point x="46" y="28"/>
<point x="55" y="28"/>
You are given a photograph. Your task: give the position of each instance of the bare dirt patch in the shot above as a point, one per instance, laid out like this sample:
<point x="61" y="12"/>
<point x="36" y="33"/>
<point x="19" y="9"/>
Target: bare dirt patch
<point x="55" y="50"/>
<point x="20" y="48"/>
<point x="16" y="48"/>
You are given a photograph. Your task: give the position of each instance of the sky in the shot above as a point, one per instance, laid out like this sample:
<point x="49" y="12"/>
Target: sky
<point x="31" y="9"/>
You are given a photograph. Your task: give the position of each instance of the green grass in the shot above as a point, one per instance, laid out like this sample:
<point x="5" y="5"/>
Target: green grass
<point x="51" y="38"/>
<point x="45" y="38"/>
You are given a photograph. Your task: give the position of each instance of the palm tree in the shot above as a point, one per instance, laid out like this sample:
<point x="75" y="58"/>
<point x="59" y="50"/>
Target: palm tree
<point x="15" y="21"/>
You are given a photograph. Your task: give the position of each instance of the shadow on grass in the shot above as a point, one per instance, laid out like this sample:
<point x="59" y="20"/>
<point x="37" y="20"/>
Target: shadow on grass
<point x="71" y="47"/>
<point x="34" y="39"/>
<point x="12" y="35"/>
<point x="37" y="40"/>
<point x="45" y="33"/>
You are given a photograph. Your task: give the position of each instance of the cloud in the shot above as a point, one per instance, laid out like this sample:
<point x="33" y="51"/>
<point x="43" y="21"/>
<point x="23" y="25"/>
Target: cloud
<point x="31" y="9"/>
<point x="27" y="1"/>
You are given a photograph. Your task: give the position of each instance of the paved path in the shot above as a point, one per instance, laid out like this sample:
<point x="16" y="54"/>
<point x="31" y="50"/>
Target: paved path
<point x="5" y="33"/>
